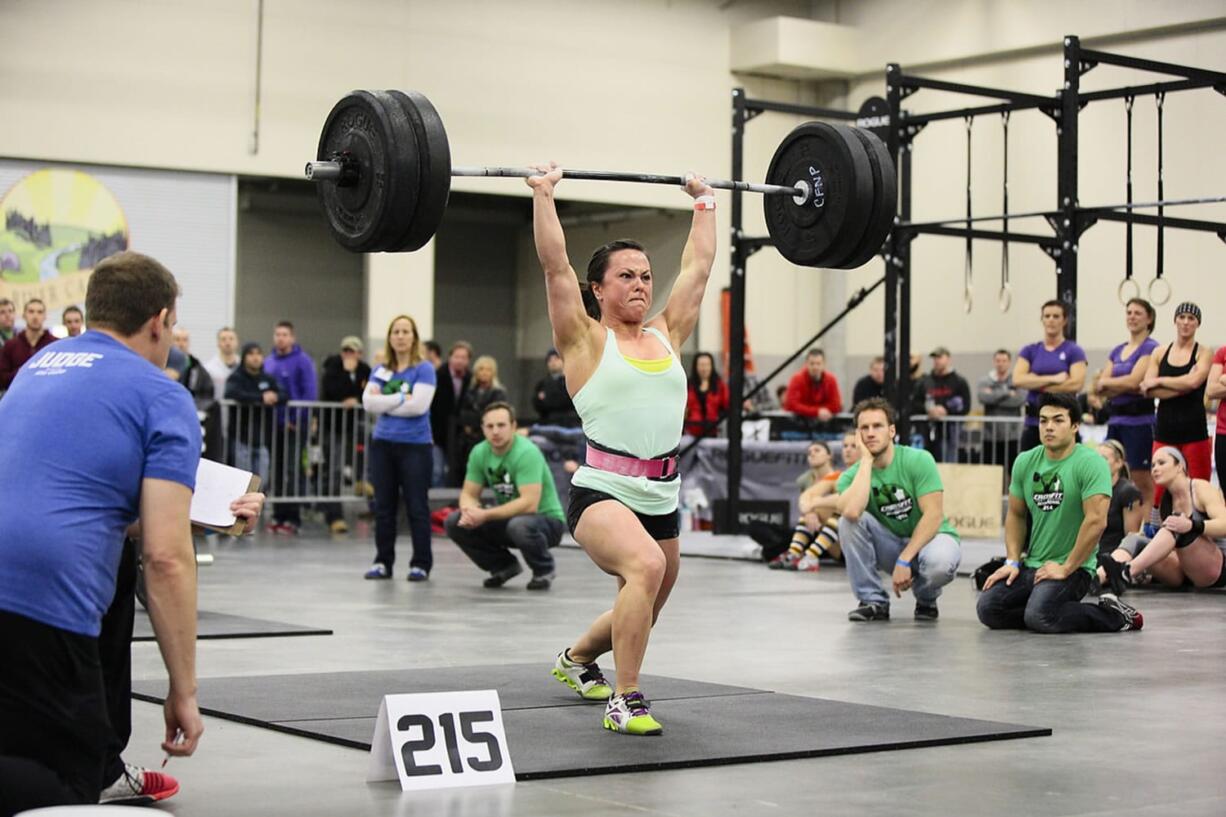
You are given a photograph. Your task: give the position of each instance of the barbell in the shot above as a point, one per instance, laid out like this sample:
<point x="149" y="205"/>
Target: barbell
<point x="383" y="175"/>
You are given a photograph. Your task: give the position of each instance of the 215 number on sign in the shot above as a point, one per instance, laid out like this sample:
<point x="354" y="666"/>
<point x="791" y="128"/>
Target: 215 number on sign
<point x="446" y="722"/>
<point x="441" y="739"/>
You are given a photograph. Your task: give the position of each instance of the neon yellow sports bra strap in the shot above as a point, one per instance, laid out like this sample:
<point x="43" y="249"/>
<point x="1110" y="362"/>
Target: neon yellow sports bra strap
<point x="655" y="366"/>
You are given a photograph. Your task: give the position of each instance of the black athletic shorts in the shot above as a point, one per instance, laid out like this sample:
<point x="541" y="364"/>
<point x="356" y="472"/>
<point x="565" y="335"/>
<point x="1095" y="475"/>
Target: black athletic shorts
<point x="665" y="526"/>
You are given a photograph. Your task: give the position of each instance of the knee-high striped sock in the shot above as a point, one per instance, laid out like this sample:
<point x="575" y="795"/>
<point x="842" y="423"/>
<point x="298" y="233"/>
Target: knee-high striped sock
<point x="826" y="538"/>
<point x="801" y="537"/>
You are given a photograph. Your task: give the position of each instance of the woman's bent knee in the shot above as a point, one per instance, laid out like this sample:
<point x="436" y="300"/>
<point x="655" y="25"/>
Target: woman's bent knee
<point x="647" y="569"/>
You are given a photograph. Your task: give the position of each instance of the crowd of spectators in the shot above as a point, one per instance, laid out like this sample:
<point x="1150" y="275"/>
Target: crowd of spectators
<point x="1148" y="394"/>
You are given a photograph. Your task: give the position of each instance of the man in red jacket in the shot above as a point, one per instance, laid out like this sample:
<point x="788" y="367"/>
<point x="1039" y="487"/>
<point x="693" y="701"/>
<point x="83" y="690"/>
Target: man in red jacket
<point x="813" y="392"/>
<point x="24" y="344"/>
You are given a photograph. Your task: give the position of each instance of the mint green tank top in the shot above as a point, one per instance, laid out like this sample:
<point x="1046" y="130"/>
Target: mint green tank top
<point x="641" y="413"/>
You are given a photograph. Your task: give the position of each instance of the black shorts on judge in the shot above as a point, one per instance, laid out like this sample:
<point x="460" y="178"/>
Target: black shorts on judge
<point x="665" y="526"/>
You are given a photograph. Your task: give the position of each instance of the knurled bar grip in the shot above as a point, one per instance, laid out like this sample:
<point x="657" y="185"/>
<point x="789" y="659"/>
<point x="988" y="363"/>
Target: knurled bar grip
<point x="324" y="171"/>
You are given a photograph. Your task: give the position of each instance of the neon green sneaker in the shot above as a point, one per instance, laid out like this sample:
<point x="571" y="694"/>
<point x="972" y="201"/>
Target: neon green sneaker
<point x="630" y="714"/>
<point x="586" y="679"/>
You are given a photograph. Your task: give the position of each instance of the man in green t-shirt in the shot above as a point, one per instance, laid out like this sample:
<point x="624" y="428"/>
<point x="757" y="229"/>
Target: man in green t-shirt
<point x="1066" y="487"/>
<point x="891" y="504"/>
<point x="527" y="514"/>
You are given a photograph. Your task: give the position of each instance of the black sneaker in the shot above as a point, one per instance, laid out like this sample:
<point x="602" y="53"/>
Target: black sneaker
<point x="500" y="577"/>
<point x="870" y="612"/>
<point x="1117" y="575"/>
<point x="926" y="612"/>
<point x="541" y="582"/>
<point x="1131" y="616"/>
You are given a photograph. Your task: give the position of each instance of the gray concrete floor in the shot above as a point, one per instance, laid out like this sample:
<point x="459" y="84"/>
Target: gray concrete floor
<point x="1139" y="718"/>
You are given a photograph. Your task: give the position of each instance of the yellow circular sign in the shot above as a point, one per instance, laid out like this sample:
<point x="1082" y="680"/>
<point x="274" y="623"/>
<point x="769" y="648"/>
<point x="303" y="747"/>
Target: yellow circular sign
<point x="57" y="221"/>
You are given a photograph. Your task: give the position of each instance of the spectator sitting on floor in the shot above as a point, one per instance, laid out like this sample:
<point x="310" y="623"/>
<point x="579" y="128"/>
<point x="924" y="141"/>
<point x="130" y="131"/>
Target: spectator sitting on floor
<point x="1190" y="547"/>
<point x="194" y="376"/>
<point x="1065" y="488"/>
<point x="707" y="398"/>
<point x="816" y="534"/>
<point x="1126" y="512"/>
<point x="74" y="321"/>
<point x="943" y="393"/>
<point x="872" y="384"/>
<point x="813" y="392"/>
<point x="550" y="397"/>
<point x="25" y="343"/>
<point x="527" y="515"/>
<point x="893" y="519"/>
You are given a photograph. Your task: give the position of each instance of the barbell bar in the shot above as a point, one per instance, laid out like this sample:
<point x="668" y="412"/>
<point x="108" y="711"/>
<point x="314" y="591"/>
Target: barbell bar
<point x="333" y="170"/>
<point x="383" y="168"/>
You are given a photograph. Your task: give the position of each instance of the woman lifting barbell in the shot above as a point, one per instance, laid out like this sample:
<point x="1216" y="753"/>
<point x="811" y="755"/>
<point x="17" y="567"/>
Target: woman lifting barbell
<point x="629" y="389"/>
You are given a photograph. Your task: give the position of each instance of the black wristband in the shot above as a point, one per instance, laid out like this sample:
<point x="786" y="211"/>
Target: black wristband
<point x="1198" y="528"/>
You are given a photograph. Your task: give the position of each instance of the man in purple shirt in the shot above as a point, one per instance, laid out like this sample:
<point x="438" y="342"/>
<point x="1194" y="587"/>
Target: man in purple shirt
<point x="1053" y="364"/>
<point x="296" y="370"/>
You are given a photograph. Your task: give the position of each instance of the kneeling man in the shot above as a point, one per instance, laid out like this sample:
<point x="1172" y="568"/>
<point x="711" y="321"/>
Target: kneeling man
<point x="1066" y="487"/>
<point x="528" y="515"/>
<point x="893" y="519"/>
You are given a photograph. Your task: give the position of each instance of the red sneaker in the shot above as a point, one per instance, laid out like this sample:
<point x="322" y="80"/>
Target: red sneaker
<point x="137" y="786"/>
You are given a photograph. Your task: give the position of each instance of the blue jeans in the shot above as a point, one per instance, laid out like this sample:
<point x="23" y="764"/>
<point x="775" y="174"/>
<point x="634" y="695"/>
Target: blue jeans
<point x="401" y="469"/>
<point x="487" y="545"/>
<point x="869" y="546"/>
<point x="1047" y="607"/>
<point x="253" y="459"/>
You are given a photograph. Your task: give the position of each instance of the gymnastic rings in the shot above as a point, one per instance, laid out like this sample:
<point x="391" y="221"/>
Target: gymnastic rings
<point x="1005" y="297"/>
<point x="1129" y="285"/>
<point x="1154" y="289"/>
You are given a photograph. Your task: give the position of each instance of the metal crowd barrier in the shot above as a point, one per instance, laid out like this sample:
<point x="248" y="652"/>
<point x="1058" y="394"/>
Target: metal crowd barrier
<point x="970" y="439"/>
<point x="303" y="451"/>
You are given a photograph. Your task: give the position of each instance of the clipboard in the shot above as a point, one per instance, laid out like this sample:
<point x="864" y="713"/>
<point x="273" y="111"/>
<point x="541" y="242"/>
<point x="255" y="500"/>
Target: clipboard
<point x="218" y="485"/>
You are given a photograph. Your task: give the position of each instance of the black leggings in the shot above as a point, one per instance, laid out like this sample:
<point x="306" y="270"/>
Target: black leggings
<point x="1219" y="456"/>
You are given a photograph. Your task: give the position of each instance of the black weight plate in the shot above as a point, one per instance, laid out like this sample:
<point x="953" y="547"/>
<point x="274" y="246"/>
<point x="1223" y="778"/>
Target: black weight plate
<point x="378" y="138"/>
<point x="884" y="200"/>
<point x="825" y="229"/>
<point x="434" y="172"/>
<point x="407" y="162"/>
<point x="859" y="210"/>
<point x="874" y="116"/>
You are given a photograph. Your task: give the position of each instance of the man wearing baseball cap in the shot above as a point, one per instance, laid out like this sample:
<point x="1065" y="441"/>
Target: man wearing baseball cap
<point x="943" y="393"/>
<point x="344" y="380"/>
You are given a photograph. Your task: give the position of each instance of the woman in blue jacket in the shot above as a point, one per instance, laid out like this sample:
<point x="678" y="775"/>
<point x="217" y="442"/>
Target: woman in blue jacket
<point x="399" y="393"/>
